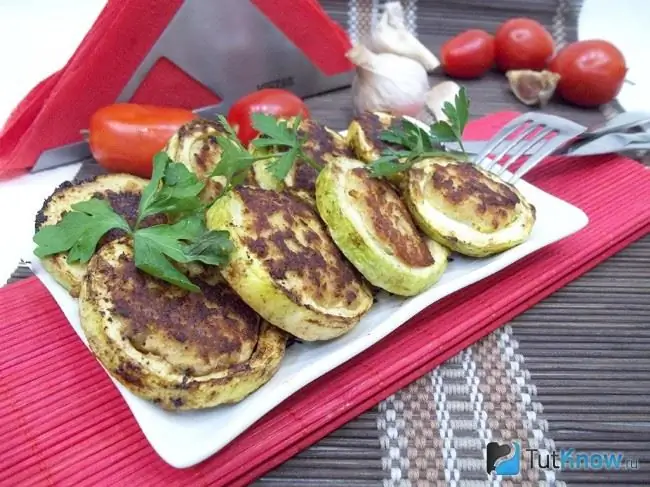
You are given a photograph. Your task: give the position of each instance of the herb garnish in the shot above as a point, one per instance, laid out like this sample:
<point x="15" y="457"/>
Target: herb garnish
<point x="282" y="136"/>
<point x="417" y="143"/>
<point x="173" y="190"/>
<point x="289" y="143"/>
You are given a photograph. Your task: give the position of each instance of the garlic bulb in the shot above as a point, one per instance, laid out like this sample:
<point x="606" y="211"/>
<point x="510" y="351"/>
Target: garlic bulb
<point x="387" y="82"/>
<point x="533" y="87"/>
<point x="391" y="36"/>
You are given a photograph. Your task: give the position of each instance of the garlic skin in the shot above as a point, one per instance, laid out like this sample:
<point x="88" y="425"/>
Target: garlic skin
<point x="533" y="87"/>
<point x="390" y="35"/>
<point x="387" y="82"/>
<point x="435" y="100"/>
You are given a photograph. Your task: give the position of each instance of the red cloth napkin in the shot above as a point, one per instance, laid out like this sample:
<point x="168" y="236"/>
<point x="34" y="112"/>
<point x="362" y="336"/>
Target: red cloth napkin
<point x="59" y="107"/>
<point x="62" y="422"/>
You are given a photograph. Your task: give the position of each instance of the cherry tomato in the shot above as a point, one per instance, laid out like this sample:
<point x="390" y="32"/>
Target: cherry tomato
<point x="592" y="72"/>
<point x="468" y="55"/>
<point x="522" y="44"/>
<point x="124" y="137"/>
<point x="272" y="101"/>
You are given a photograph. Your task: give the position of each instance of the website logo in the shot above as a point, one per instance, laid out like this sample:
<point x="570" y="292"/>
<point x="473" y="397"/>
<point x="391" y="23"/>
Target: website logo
<point x="503" y="459"/>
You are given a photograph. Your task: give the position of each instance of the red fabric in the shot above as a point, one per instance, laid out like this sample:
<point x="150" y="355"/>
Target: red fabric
<point x="62" y="421"/>
<point x="56" y="110"/>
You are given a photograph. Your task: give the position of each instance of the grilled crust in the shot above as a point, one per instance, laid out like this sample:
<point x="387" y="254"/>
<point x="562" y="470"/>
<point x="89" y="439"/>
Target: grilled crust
<point x="174" y="383"/>
<point x="364" y="134"/>
<point x="373" y="228"/>
<point x="285" y="265"/>
<point x="466" y="208"/>
<point x="124" y="186"/>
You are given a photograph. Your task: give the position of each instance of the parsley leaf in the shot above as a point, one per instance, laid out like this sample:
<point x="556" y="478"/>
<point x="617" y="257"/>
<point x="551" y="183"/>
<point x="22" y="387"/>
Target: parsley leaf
<point x="419" y="143"/>
<point x="185" y="241"/>
<point x="236" y="161"/>
<point x="213" y="247"/>
<point x="286" y="139"/>
<point x="282" y="164"/>
<point x="275" y="129"/>
<point x="151" y="256"/>
<point x="173" y="190"/>
<point x="79" y="231"/>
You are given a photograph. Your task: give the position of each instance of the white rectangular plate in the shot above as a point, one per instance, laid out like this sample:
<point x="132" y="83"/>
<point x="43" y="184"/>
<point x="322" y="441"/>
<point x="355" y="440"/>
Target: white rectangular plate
<point x="184" y="439"/>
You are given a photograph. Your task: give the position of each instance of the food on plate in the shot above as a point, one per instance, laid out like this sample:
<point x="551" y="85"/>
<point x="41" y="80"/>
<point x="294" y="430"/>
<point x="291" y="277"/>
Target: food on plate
<point x="195" y="146"/>
<point x="373" y="228"/>
<point x="272" y="101"/>
<point x="466" y="208"/>
<point x="523" y="43"/>
<point x="468" y="55"/>
<point x="592" y="72"/>
<point x="121" y="191"/>
<point x="285" y="265"/>
<point x="364" y="134"/>
<point x="320" y="145"/>
<point x="179" y="349"/>
<point x="391" y="35"/>
<point x="533" y="87"/>
<point x="191" y="308"/>
<point x="387" y="82"/>
<point x="175" y="239"/>
<point x="124" y="137"/>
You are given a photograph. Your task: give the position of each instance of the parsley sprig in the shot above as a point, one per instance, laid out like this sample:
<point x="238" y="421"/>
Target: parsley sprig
<point x="415" y="143"/>
<point x="173" y="191"/>
<point x="282" y="137"/>
<point x="286" y="140"/>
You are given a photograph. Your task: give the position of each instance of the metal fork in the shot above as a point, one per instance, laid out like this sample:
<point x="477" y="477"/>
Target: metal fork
<point x="533" y="130"/>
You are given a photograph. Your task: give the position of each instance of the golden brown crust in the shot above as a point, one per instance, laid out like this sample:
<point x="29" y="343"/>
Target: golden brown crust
<point x="364" y="134"/>
<point x="179" y="349"/>
<point x="390" y="220"/>
<point x="464" y="193"/>
<point x="291" y="242"/>
<point x="194" y="331"/>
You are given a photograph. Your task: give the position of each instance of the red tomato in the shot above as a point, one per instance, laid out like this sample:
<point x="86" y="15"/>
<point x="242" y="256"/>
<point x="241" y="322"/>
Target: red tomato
<point x="124" y="137"/>
<point x="522" y="44"/>
<point x="272" y="101"/>
<point x="468" y="55"/>
<point x="592" y="72"/>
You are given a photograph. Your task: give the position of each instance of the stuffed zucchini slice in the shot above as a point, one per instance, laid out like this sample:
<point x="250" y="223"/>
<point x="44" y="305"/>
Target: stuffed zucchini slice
<point x="285" y="265"/>
<point x="179" y="349"/>
<point x="466" y="208"/>
<point x="121" y="191"/>
<point x="373" y="228"/>
<point x="322" y="146"/>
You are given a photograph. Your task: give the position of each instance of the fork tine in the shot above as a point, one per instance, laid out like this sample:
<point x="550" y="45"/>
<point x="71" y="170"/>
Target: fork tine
<point x="523" y="149"/>
<point x="513" y="143"/>
<point x="550" y="147"/>
<point x="501" y="135"/>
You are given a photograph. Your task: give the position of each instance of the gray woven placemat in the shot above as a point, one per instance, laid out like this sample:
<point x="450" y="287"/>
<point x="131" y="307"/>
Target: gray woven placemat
<point x="572" y="372"/>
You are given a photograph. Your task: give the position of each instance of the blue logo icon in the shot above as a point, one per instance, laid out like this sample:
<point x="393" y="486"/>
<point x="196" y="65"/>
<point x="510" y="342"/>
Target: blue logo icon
<point x="503" y="459"/>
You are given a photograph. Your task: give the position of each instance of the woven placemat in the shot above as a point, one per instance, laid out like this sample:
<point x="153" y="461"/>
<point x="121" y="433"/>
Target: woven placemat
<point x="572" y="372"/>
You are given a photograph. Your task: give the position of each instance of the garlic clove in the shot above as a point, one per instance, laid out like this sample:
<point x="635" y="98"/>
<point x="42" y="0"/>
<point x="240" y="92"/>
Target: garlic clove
<point x="387" y="82"/>
<point x="533" y="87"/>
<point x="390" y="35"/>
<point x="435" y="100"/>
